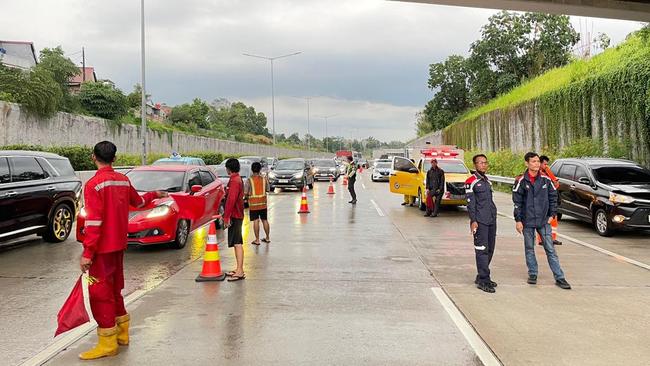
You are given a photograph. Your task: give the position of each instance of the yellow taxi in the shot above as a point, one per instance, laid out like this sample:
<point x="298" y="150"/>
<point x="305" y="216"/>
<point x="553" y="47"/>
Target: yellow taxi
<point x="408" y="178"/>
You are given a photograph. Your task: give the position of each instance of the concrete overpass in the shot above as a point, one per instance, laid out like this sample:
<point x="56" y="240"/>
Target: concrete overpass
<point x="616" y="9"/>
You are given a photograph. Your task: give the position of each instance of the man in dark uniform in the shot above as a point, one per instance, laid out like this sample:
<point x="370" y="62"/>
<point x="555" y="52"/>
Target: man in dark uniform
<point x="483" y="221"/>
<point x="435" y="186"/>
<point x="351" y="172"/>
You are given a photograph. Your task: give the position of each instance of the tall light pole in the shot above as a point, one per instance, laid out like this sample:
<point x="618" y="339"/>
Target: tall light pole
<point x="327" y="142"/>
<point x="143" y="106"/>
<point x="271" y="59"/>
<point x="308" y="132"/>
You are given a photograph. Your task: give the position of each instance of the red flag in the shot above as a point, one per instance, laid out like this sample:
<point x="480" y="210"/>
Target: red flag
<point x="73" y="313"/>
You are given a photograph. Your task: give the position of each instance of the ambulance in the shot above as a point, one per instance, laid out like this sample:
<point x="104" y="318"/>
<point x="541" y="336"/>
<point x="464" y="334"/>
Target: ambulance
<point x="408" y="178"/>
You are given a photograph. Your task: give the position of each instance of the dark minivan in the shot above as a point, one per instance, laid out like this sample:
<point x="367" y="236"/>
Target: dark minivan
<point x="39" y="194"/>
<point x="611" y="194"/>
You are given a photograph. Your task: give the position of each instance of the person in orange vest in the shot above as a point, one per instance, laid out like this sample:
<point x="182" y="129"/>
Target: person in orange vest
<point x="546" y="170"/>
<point x="258" y="209"/>
<point x="107" y="197"/>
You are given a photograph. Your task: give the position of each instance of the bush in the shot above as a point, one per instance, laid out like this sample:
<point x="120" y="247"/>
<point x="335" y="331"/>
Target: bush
<point x="210" y="158"/>
<point x="103" y="100"/>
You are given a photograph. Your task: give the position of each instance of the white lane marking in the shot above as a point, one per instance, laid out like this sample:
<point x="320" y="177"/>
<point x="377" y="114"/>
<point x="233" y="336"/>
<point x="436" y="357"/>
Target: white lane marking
<point x="379" y="211"/>
<point x="363" y="185"/>
<point x="596" y="248"/>
<point x="475" y="341"/>
<point x="66" y="340"/>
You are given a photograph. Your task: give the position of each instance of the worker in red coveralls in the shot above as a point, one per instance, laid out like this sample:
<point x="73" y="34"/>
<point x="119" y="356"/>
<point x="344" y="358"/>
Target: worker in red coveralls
<point x="107" y="197"/>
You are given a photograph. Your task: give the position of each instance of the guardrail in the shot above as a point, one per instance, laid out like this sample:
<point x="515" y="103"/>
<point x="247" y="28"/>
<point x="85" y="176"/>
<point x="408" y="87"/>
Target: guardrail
<point x="500" y="179"/>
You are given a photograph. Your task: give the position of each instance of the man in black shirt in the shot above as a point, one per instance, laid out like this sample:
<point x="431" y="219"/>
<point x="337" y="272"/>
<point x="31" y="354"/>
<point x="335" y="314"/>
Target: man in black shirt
<point x="435" y="186"/>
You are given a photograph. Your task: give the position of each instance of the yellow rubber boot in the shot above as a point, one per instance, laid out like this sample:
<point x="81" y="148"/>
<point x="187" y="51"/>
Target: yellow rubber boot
<point x="123" y="329"/>
<point x="106" y="344"/>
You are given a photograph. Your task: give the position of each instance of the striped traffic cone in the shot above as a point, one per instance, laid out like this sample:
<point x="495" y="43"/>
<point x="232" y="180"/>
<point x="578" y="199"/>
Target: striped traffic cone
<point x="330" y="190"/>
<point x="304" y="208"/>
<point x="345" y="180"/>
<point x="211" y="263"/>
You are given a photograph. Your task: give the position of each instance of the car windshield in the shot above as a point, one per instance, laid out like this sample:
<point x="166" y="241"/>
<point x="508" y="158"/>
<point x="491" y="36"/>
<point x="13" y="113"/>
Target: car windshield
<point x="448" y="166"/>
<point x="156" y="180"/>
<point x="252" y="159"/>
<point x="290" y="165"/>
<point x="622" y="175"/>
<point x="383" y="165"/>
<point x="245" y="171"/>
<point x="324" y="163"/>
<point x="221" y="171"/>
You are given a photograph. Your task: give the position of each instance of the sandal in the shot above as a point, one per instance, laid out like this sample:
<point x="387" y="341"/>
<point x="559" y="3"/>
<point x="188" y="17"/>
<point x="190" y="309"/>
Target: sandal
<point x="266" y="240"/>
<point x="255" y="243"/>
<point x="234" y="278"/>
<point x="230" y="273"/>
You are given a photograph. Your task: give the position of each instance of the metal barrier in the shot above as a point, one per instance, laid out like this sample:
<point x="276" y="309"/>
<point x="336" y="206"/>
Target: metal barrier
<point x="500" y="179"/>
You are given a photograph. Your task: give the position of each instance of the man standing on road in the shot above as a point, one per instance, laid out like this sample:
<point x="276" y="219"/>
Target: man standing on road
<point x="107" y="197"/>
<point x="546" y="169"/>
<point x="233" y="217"/>
<point x="257" y="205"/>
<point x="535" y="199"/>
<point x="351" y="172"/>
<point x="435" y="186"/>
<point x="483" y="221"/>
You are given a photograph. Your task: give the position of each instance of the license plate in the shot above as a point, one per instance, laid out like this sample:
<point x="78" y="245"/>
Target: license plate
<point x="284" y="180"/>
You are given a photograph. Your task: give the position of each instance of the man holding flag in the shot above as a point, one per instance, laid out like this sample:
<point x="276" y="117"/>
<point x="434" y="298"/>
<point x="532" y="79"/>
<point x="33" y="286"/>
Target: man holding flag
<point x="107" y="197"/>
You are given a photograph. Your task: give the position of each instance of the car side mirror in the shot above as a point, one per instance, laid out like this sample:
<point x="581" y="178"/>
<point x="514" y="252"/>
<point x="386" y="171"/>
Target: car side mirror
<point x="584" y="180"/>
<point x="196" y="188"/>
<point x="413" y="170"/>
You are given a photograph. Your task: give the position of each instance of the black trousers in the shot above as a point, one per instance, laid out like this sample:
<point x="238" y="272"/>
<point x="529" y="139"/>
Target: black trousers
<point x="351" y="182"/>
<point x="484" y="242"/>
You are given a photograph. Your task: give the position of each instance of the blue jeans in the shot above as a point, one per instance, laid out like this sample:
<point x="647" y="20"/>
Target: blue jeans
<point x="551" y="255"/>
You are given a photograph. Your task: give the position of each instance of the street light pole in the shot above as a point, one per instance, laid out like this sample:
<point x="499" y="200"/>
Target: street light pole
<point x="327" y="142"/>
<point x="271" y="59"/>
<point x="143" y="105"/>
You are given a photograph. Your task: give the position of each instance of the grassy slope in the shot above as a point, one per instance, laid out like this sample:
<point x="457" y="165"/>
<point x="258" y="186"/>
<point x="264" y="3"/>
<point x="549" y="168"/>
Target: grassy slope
<point x="612" y="59"/>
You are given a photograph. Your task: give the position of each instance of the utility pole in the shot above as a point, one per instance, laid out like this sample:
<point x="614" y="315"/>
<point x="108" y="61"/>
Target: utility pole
<point x="271" y="59"/>
<point x="308" y="131"/>
<point x="325" y="138"/>
<point x="83" y="64"/>
<point x="143" y="105"/>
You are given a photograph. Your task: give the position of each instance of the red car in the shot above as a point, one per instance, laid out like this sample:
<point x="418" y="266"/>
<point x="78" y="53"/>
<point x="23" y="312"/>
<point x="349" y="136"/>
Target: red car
<point x="195" y="195"/>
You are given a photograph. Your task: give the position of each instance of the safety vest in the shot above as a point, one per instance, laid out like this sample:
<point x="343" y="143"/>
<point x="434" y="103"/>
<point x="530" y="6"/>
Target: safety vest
<point x="257" y="198"/>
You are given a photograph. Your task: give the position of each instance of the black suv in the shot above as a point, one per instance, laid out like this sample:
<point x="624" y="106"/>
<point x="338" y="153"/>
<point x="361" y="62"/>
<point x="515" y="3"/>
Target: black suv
<point x="610" y="193"/>
<point x="39" y="194"/>
<point x="292" y="173"/>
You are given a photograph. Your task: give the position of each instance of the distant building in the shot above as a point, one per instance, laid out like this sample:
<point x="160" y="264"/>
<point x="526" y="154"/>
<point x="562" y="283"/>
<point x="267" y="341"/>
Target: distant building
<point x="85" y="75"/>
<point x="18" y="54"/>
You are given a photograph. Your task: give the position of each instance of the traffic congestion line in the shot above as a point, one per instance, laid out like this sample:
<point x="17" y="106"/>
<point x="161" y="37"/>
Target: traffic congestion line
<point x="475" y="341"/>
<point x="595" y="247"/>
<point x="379" y="211"/>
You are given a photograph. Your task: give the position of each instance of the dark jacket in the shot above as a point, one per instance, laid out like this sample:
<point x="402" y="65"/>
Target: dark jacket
<point x="535" y="202"/>
<point x="435" y="181"/>
<point x="480" y="203"/>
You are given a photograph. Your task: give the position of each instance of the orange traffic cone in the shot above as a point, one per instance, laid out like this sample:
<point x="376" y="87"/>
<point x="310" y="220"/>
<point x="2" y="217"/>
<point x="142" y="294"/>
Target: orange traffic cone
<point x="345" y="180"/>
<point x="330" y="190"/>
<point x="360" y="168"/>
<point x="304" y="208"/>
<point x="211" y="263"/>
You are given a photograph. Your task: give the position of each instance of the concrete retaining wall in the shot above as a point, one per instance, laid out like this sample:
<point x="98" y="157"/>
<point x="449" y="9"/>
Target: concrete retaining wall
<point x="65" y="129"/>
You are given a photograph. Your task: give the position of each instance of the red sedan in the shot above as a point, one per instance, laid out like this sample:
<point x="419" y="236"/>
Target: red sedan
<point x="195" y="195"/>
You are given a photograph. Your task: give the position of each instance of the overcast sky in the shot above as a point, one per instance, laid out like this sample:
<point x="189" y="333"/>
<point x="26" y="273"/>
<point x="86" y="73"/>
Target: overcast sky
<point x="364" y="60"/>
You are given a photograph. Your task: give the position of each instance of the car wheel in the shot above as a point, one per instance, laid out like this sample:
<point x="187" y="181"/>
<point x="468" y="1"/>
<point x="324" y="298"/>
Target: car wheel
<point x="423" y="205"/>
<point x="272" y="189"/>
<point x="372" y="179"/>
<point x="60" y="224"/>
<point x="182" y="234"/>
<point x="602" y="224"/>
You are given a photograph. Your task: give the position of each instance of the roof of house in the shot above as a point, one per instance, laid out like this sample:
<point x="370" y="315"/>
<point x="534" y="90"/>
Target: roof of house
<point x="90" y="76"/>
<point x="18" y="53"/>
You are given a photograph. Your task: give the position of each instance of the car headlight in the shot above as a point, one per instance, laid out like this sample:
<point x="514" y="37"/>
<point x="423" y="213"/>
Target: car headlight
<point x="298" y="175"/>
<point x="272" y="175"/>
<point x="160" y="210"/>
<point x="620" y="198"/>
<point x="332" y="169"/>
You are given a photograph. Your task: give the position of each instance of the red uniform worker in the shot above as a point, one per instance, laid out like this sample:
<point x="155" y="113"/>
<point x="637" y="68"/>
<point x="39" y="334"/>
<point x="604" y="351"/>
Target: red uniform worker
<point x="107" y="197"/>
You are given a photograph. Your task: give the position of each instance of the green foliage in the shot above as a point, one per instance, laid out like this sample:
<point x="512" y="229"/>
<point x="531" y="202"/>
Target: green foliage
<point x="210" y="158"/>
<point x="36" y="90"/>
<point x="134" y="99"/>
<point x="239" y="119"/>
<point x="194" y="114"/>
<point x="103" y="100"/>
<point x="513" y="47"/>
<point x="61" y="67"/>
